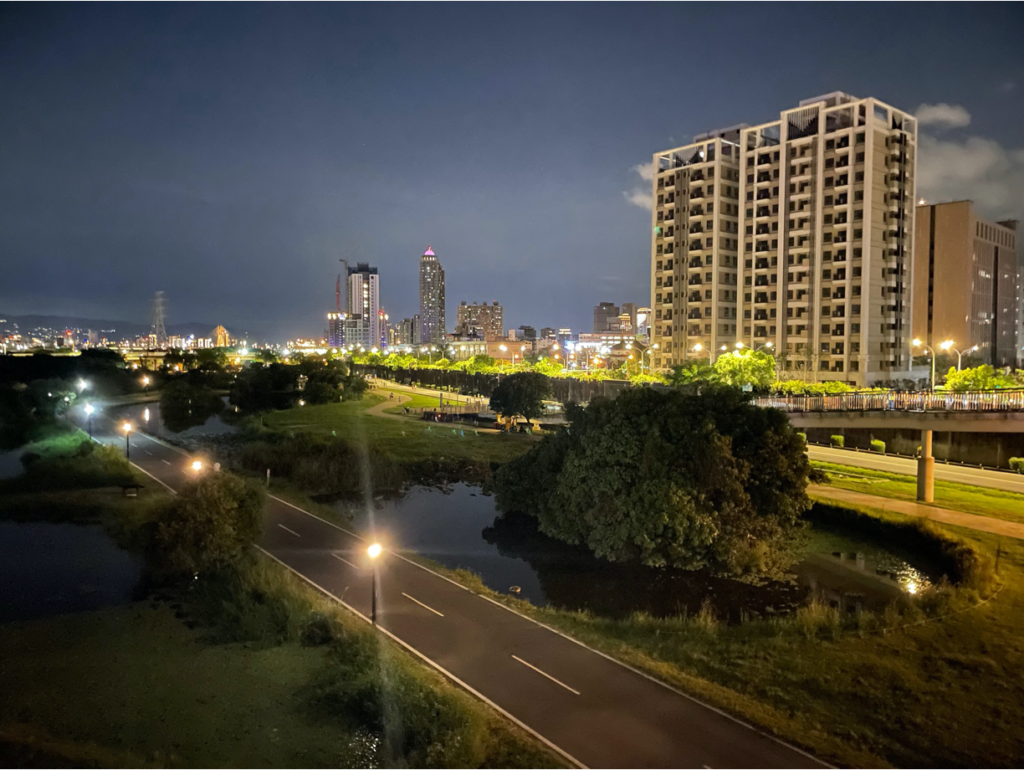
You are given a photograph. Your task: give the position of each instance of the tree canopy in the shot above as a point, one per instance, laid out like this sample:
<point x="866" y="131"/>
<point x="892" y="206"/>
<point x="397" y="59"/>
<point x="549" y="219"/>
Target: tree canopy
<point x="667" y="478"/>
<point x="521" y="394"/>
<point x="982" y="378"/>
<point x="210" y="524"/>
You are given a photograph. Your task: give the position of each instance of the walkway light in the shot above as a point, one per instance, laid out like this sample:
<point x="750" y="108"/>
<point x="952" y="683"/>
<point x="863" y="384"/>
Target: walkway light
<point x="918" y="343"/>
<point x="373" y="551"/>
<point x="127" y="428"/>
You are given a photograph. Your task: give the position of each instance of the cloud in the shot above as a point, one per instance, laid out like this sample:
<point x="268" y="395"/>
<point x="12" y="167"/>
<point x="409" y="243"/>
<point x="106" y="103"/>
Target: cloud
<point x="943" y="115"/>
<point x="974" y="168"/>
<point x="641" y="196"/>
<point x="1007" y="85"/>
<point x="645" y="170"/>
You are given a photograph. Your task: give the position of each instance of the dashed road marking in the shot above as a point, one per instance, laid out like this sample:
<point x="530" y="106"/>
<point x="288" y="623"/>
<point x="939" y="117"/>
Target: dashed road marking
<point x="346" y="561"/>
<point x="291" y="531"/>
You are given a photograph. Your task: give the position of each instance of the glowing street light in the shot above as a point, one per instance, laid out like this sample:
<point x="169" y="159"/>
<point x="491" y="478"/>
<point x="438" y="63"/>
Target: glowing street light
<point x="197" y="465"/>
<point x="145" y="381"/>
<point x="82" y="385"/>
<point x="373" y="552"/>
<point x="127" y="428"/>
<point x="89" y="409"/>
<point x="948" y="345"/>
<point x="919" y="344"/>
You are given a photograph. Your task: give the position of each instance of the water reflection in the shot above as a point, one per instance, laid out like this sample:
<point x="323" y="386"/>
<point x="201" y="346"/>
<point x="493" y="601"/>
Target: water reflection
<point x="458" y="529"/>
<point x="52" y="569"/>
<point x="150" y="418"/>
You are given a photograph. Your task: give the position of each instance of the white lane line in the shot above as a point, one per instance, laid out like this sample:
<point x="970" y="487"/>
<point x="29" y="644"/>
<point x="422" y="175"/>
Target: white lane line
<point x="158" y="481"/>
<point x="346" y="561"/>
<point x="165" y="462"/>
<point x="292" y="531"/>
<point x="424" y="606"/>
<point x="429" y="661"/>
<point x="562" y="684"/>
<point x="148" y="452"/>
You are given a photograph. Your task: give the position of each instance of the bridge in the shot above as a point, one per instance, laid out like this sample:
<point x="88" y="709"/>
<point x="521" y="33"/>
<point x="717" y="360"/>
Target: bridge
<point x="985" y="411"/>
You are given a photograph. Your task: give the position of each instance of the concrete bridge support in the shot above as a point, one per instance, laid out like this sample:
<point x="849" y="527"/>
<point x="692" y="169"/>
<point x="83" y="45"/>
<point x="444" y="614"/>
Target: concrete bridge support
<point x="926" y="470"/>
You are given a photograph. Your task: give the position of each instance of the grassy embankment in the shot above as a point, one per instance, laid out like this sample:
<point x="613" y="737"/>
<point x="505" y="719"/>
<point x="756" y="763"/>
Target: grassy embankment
<point x="403" y="440"/>
<point x="415" y="401"/>
<point x="940" y="683"/>
<point x="247" y="667"/>
<point x="950" y="495"/>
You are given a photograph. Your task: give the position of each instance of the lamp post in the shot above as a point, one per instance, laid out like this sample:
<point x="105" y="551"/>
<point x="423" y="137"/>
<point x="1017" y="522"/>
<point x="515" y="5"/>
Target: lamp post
<point x="197" y="466"/>
<point x="89" y="409"/>
<point x="503" y="349"/>
<point x="921" y="344"/>
<point x="127" y="428"/>
<point x="948" y="345"/>
<point x="648" y="353"/>
<point x="373" y="551"/>
<point x="698" y="349"/>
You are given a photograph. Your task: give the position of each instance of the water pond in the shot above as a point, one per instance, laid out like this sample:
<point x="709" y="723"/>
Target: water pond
<point x="149" y="418"/>
<point x="52" y="569"/>
<point x="458" y="528"/>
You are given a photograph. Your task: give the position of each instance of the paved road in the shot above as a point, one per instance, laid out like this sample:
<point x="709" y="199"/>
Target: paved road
<point x="974" y="521"/>
<point x="594" y="711"/>
<point x="1008" y="482"/>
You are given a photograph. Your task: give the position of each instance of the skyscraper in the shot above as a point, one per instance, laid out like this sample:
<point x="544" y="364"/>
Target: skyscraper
<point x="794" y="235"/>
<point x="432" y="326"/>
<point x="364" y="299"/>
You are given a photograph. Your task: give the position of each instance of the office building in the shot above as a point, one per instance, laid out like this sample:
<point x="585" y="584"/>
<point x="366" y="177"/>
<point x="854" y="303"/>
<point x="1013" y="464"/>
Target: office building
<point x="966" y="283"/>
<point x="432" y="324"/>
<point x="606" y="317"/>
<point x="548" y="333"/>
<point x="643" y="320"/>
<point x="483" y="321"/>
<point x="797" y="233"/>
<point x="364" y="299"/>
<point x="527" y="333"/>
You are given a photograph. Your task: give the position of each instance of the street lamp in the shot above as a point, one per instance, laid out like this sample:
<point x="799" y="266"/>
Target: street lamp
<point x="127" y="428"/>
<point x="373" y="551"/>
<point x="82" y="385"/>
<point x="698" y="348"/>
<point x="919" y="343"/>
<point x="145" y="381"/>
<point x="948" y="345"/>
<point x="503" y="349"/>
<point x="197" y="465"/>
<point x="768" y="345"/>
<point x="647" y="352"/>
<point x="89" y="409"/>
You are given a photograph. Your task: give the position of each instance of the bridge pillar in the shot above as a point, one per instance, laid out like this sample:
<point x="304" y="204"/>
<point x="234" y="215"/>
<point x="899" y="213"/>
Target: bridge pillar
<point x="926" y="470"/>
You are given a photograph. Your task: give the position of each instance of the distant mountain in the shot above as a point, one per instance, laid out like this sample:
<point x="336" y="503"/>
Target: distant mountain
<point x="116" y="330"/>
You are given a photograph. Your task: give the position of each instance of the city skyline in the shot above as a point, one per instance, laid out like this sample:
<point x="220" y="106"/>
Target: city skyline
<point x="241" y="196"/>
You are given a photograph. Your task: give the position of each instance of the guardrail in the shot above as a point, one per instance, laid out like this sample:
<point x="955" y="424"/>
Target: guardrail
<point x="898" y="401"/>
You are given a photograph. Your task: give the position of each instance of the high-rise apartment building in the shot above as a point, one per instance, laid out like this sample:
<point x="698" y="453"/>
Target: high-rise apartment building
<point x="483" y="321"/>
<point x="796" y="233"/>
<point x="364" y="299"/>
<point x="407" y="331"/>
<point x="432" y="324"/>
<point x="967" y="281"/>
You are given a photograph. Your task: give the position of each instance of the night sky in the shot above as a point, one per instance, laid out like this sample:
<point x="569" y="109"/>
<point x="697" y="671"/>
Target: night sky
<point x="230" y="154"/>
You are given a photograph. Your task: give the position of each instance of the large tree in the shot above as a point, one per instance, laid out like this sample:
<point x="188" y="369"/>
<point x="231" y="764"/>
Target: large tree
<point x="521" y="394"/>
<point x="210" y="524"/>
<point x="667" y="478"/>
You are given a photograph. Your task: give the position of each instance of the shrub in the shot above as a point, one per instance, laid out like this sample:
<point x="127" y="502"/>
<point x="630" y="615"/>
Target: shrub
<point x="211" y="524"/>
<point x="878" y="446"/>
<point x="1017" y="464"/>
<point x="838" y="441"/>
<point x="803" y="437"/>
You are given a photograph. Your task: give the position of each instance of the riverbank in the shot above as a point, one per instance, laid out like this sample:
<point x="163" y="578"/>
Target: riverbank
<point x="245" y="666"/>
<point x="911" y="689"/>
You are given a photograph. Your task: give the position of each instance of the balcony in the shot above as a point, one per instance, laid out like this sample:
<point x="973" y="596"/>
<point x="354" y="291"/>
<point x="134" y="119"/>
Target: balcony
<point x="761" y="264"/>
<point x="695" y="262"/>
<point x="697" y="228"/>
<point x="697" y="211"/>
<point x="695" y="280"/>
<point x="694" y="315"/>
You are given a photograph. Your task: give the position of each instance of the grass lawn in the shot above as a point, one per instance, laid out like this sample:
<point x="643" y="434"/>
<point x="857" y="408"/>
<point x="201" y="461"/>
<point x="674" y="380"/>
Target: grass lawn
<point x="948" y="494"/>
<point x="416" y="400"/>
<point x="134" y="685"/>
<point x="947" y="693"/>
<point x="408" y="440"/>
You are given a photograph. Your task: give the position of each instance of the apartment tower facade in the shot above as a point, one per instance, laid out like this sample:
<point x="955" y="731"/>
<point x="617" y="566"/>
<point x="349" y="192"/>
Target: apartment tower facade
<point x="967" y="282"/>
<point x="364" y="300"/>
<point x="482" y="321"/>
<point x="432" y="322"/>
<point x="807" y="251"/>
